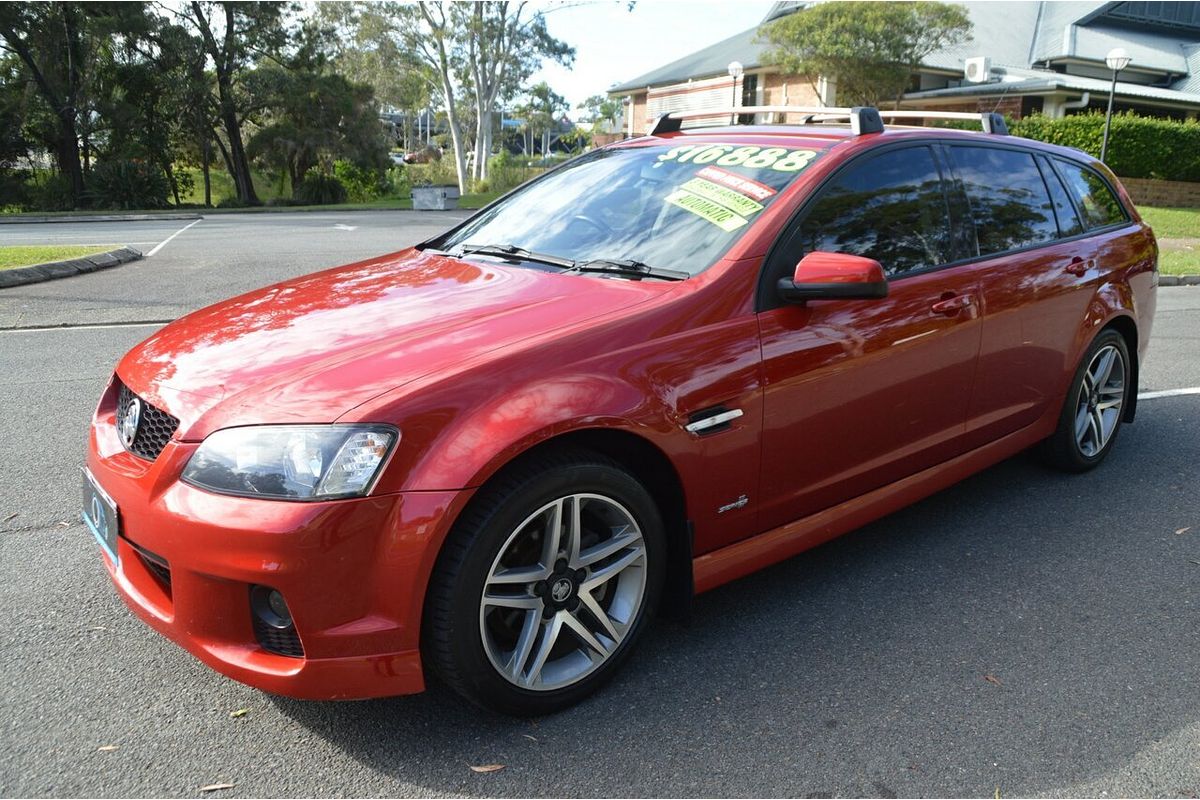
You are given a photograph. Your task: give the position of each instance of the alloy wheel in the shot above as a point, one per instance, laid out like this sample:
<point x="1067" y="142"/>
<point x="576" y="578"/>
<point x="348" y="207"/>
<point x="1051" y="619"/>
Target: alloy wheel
<point x="1101" y="395"/>
<point x="564" y="591"/>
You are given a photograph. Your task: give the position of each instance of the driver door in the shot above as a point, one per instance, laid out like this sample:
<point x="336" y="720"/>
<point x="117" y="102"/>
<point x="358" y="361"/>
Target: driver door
<point x="861" y="393"/>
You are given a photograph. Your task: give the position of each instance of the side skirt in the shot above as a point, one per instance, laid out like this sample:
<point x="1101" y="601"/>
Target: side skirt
<point x="749" y="555"/>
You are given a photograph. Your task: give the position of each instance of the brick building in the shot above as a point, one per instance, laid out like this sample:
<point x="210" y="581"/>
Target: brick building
<point x="1025" y="56"/>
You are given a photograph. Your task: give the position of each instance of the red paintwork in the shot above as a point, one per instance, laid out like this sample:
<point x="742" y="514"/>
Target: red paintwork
<point x="821" y="267"/>
<point x="477" y="362"/>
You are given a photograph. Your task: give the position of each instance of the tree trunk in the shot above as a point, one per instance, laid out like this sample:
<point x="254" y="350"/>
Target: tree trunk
<point x="170" y="173"/>
<point x="204" y="158"/>
<point x="239" y="164"/>
<point x="68" y="155"/>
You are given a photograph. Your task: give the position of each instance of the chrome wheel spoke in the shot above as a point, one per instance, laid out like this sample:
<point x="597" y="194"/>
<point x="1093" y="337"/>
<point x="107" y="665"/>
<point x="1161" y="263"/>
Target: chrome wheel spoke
<point x="610" y="571"/>
<point x="552" y="535"/>
<point x="513" y="601"/>
<point x="1081" y="423"/>
<point x="1104" y="368"/>
<point x="585" y="636"/>
<point x="550" y="630"/>
<point x="529" y="632"/>
<point x="513" y="575"/>
<point x="599" y="552"/>
<point x="606" y="622"/>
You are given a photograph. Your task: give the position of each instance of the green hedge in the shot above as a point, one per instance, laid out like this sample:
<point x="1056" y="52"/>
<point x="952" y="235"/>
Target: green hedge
<point x="1138" y="147"/>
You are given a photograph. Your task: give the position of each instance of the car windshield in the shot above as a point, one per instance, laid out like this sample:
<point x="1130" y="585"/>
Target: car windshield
<point x="660" y="207"/>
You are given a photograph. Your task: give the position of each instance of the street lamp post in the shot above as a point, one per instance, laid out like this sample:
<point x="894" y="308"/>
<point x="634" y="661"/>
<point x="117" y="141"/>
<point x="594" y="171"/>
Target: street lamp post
<point x="1117" y="60"/>
<point x="735" y="71"/>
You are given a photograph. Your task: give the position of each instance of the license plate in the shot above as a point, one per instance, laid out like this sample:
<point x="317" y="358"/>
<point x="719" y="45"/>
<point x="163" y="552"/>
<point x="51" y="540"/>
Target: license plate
<point x="100" y="515"/>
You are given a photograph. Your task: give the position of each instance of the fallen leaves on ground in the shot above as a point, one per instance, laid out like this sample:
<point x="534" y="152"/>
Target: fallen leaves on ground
<point x="216" y="787"/>
<point x="1183" y="530"/>
<point x="992" y="679"/>
<point x="487" y="768"/>
<point x="241" y="712"/>
<point x="530" y="738"/>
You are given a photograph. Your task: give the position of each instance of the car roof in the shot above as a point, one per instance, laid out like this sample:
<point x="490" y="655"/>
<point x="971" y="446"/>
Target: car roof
<point x="825" y="135"/>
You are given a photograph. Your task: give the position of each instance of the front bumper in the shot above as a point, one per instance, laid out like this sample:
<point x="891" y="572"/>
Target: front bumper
<point x="353" y="572"/>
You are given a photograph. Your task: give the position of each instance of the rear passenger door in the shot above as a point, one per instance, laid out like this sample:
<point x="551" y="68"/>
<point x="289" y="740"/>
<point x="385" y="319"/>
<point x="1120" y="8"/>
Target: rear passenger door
<point x="1039" y="271"/>
<point x="861" y="393"/>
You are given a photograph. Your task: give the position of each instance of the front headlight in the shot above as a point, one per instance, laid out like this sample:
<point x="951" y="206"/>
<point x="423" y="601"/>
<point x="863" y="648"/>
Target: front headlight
<point x="291" y="462"/>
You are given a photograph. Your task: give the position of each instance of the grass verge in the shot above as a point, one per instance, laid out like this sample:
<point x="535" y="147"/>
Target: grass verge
<point x="1179" y="262"/>
<point x="1173" y="223"/>
<point x="15" y="256"/>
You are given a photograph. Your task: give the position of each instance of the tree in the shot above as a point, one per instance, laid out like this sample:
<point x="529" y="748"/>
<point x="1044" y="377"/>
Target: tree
<point x="870" y="49"/>
<point x="312" y="118"/>
<point x="51" y="42"/>
<point x="233" y="36"/>
<point x="599" y="110"/>
<point x="478" y="53"/>
<point x="504" y="49"/>
<point x="543" y="110"/>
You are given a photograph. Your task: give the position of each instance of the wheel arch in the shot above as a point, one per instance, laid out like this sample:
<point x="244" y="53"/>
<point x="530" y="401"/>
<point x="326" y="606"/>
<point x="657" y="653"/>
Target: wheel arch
<point x="651" y="467"/>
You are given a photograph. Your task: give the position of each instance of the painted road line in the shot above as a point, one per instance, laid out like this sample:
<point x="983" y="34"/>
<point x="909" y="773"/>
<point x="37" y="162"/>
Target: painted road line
<point x="167" y="240"/>
<point x="1169" y="393"/>
<point x="342" y="227"/>
<point x="86" y="327"/>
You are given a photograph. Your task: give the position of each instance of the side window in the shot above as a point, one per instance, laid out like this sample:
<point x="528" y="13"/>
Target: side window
<point x="1009" y="201"/>
<point x="1064" y="209"/>
<point x="890" y="208"/>
<point x="1099" y="205"/>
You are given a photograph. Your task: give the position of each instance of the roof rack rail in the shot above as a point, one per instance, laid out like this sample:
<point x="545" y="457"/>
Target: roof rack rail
<point x="989" y="121"/>
<point x="863" y="119"/>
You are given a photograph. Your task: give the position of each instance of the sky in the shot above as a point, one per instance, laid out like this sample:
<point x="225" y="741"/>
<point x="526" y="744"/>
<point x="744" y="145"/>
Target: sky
<point x="613" y="44"/>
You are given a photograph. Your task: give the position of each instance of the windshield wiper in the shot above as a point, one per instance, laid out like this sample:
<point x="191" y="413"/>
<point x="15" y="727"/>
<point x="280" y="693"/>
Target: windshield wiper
<point x="630" y="267"/>
<point x="511" y="251"/>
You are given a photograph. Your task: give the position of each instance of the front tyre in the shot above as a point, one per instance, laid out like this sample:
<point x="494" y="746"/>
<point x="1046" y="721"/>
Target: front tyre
<point x="1091" y="415"/>
<point x="544" y="584"/>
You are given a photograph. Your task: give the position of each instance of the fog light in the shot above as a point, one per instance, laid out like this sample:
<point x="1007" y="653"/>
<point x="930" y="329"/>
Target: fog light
<point x="270" y="607"/>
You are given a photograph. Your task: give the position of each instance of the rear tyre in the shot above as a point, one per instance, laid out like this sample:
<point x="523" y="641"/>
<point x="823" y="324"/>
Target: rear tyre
<point x="1091" y="415"/>
<point x="545" y="584"/>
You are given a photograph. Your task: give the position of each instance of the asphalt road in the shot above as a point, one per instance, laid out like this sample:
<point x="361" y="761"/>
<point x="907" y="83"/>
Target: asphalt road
<point x="1023" y="632"/>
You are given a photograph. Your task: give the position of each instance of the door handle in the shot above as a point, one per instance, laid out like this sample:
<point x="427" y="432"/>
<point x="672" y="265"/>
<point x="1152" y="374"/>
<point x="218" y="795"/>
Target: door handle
<point x="952" y="305"/>
<point x="1078" y="267"/>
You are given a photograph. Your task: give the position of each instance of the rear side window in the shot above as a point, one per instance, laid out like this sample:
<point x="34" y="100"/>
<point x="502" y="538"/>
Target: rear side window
<point x="1097" y="202"/>
<point x="1009" y="201"/>
<point x="890" y="208"/>
<point x="1068" y="220"/>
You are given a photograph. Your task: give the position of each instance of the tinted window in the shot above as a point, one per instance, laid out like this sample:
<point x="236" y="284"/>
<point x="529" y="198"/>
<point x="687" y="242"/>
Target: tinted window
<point x="1099" y="205"/>
<point x="1008" y="198"/>
<point x="890" y="208"/>
<point x="1068" y="220"/>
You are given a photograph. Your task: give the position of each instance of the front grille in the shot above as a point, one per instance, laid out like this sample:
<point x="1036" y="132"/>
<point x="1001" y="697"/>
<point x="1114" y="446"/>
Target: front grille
<point x="283" y="641"/>
<point x="156" y="565"/>
<point x="154" y="428"/>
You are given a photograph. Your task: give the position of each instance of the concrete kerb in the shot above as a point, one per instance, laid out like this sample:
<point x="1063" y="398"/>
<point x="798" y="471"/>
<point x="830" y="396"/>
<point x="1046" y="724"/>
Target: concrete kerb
<point x="66" y="269"/>
<point x="20" y="219"/>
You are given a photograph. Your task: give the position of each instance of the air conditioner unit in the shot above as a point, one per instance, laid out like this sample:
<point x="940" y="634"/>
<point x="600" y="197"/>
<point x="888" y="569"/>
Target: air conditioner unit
<point x="977" y="69"/>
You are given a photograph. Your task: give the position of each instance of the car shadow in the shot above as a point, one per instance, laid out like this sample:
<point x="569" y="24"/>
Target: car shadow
<point x="1023" y="632"/>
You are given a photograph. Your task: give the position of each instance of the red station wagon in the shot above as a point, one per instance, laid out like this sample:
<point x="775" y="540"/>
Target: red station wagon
<point x="657" y="368"/>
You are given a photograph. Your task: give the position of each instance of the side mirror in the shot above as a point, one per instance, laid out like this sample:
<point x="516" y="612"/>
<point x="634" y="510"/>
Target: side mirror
<point x="834" y="276"/>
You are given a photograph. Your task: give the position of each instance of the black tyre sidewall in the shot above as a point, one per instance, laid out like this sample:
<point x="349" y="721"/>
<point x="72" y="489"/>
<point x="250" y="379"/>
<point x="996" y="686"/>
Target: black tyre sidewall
<point x="474" y="674"/>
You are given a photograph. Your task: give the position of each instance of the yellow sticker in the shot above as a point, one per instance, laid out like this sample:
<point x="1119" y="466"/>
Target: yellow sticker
<point x="726" y="197"/>
<point x="707" y="210"/>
